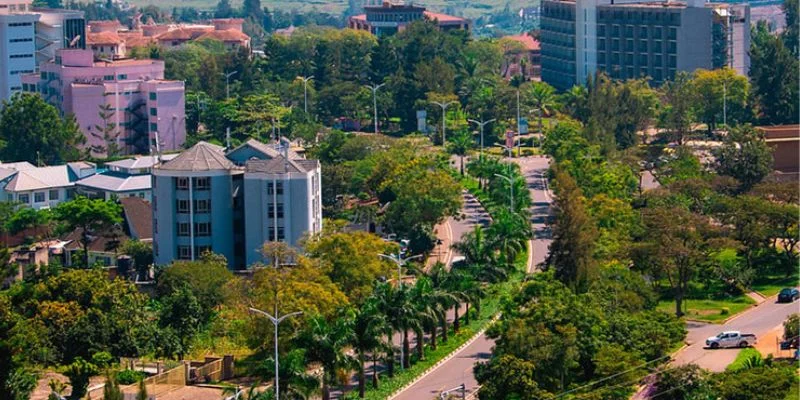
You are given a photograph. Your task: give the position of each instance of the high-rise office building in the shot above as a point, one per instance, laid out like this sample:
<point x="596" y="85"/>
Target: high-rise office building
<point x="633" y="39"/>
<point x="231" y="202"/>
<point x="17" y="44"/>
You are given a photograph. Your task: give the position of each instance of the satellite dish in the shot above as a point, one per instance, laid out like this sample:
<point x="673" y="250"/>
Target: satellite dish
<point x="74" y="41"/>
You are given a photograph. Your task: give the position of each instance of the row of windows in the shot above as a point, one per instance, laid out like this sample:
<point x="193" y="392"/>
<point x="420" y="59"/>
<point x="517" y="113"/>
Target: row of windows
<point x="278" y="188"/>
<point x="15" y="24"/>
<point x="271" y="234"/>
<point x="19" y="40"/>
<point x="200" y="206"/>
<point x="185" y="252"/>
<point x="21" y="56"/>
<point x="272" y="208"/>
<point x="27" y="71"/>
<point x="201" y="229"/>
<point x="38" y="197"/>
<point x="182" y="183"/>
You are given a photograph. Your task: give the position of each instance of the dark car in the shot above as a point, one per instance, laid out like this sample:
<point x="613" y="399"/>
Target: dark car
<point x="788" y="295"/>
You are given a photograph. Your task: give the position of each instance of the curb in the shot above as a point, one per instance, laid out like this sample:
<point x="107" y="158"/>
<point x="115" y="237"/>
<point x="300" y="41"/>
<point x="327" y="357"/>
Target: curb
<point x="445" y="359"/>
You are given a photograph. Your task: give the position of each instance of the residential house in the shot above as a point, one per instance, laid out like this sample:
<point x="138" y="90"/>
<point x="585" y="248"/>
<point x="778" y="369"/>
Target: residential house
<point x="124" y="178"/>
<point x="42" y="187"/>
<point x="522" y="57"/>
<point x="390" y="18"/>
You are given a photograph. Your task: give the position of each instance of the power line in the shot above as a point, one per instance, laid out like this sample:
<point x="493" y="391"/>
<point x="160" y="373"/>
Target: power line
<point x="612" y="376"/>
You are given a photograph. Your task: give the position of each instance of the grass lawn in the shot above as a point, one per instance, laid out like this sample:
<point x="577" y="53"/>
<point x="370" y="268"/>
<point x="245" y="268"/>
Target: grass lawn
<point x="770" y="285"/>
<point x="743" y="355"/>
<point x="709" y="310"/>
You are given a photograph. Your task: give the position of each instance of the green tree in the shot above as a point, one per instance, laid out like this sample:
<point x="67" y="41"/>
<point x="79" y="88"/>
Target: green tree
<point x="543" y="98"/>
<point x="509" y="377"/>
<point x="79" y="373"/>
<point x="791" y="327"/>
<point x="325" y="342"/>
<point x="459" y="145"/>
<point x="678" y="115"/>
<point x="31" y="130"/>
<point x="223" y="10"/>
<point x="350" y="260"/>
<point x="141" y="254"/>
<point x="182" y="312"/>
<point x="773" y="74"/>
<point x="107" y="133"/>
<point x="574" y="236"/>
<point x="91" y="217"/>
<point x="718" y="89"/>
<point x="745" y="156"/>
<point x="369" y="327"/>
<point x="206" y="279"/>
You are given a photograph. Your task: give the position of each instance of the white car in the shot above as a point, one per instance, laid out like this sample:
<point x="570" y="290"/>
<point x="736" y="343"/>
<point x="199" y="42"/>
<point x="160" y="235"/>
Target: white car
<point x="731" y="339"/>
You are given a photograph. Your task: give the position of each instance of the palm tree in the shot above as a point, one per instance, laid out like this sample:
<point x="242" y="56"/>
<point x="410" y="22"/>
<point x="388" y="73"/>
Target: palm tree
<point x="438" y="276"/>
<point x="459" y="145"/>
<point x="383" y="295"/>
<point x="325" y="342"/>
<point x="576" y="102"/>
<point x="404" y="319"/>
<point x="295" y="381"/>
<point x="543" y="98"/>
<point x="476" y="247"/>
<point x="429" y="302"/>
<point x="509" y="233"/>
<point x="369" y="328"/>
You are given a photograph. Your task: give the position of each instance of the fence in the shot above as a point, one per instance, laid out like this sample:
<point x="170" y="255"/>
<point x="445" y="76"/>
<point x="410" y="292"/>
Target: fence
<point x="159" y="384"/>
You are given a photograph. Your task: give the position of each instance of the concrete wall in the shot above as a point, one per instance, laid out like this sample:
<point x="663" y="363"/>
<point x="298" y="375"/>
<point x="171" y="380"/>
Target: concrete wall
<point x="694" y="39"/>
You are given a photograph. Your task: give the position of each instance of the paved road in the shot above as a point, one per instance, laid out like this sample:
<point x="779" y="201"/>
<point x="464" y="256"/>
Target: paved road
<point x="458" y="369"/>
<point x="758" y="320"/>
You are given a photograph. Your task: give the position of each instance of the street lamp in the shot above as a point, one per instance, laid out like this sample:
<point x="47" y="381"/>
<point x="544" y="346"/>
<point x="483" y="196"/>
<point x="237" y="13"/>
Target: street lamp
<point x="401" y="262"/>
<point x="510" y="186"/>
<point x="275" y="321"/>
<point x="374" y="89"/>
<point x="227" y="83"/>
<point x="519" y="130"/>
<point x="725" y="104"/>
<point x="305" y="80"/>
<point x="507" y="149"/>
<point x="236" y="395"/>
<point x="444" y="119"/>
<point x="460" y="388"/>
<point x="481" y="124"/>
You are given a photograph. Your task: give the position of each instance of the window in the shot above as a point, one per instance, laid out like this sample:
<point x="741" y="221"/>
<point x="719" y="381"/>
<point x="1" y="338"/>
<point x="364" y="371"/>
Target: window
<point x="24" y="198"/>
<point x="200" y="250"/>
<point x="271" y="234"/>
<point x="272" y="209"/>
<point x="202" y="183"/>
<point x="184" y="253"/>
<point x="183" y="229"/>
<point x="153" y="127"/>
<point x="122" y="76"/>
<point x="53" y="195"/>
<point x="108" y="77"/>
<point x="202" y="229"/>
<point x="38" y="197"/>
<point x="183" y="206"/>
<point x="280" y="210"/>
<point x="155" y="226"/>
<point x="153" y="95"/>
<point x="153" y="111"/>
<point x="202" y="206"/>
<point x="182" y="183"/>
<point x="279" y="188"/>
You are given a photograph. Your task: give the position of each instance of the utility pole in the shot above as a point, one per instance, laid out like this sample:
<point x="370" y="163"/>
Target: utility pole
<point x="725" y="104"/>
<point x="305" y="80"/>
<point x="444" y="119"/>
<point x="374" y="89"/>
<point x="481" y="124"/>
<point x="401" y="262"/>
<point x="227" y="83"/>
<point x="510" y="186"/>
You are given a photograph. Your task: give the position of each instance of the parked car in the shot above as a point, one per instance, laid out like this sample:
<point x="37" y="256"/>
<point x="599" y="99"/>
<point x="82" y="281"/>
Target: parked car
<point x="788" y="295"/>
<point x="731" y="339"/>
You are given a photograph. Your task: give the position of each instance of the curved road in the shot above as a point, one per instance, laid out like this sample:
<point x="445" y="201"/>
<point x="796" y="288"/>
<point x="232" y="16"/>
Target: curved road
<point x="458" y="369"/>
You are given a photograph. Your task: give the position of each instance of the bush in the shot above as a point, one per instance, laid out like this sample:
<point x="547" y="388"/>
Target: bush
<point x="724" y="311"/>
<point x="129" y="376"/>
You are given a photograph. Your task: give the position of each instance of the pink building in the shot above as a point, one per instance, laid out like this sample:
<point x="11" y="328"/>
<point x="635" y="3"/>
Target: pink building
<point x="144" y="104"/>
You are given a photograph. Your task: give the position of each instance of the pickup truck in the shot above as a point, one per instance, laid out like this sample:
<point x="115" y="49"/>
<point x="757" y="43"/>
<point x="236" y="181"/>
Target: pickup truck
<point x="731" y="339"/>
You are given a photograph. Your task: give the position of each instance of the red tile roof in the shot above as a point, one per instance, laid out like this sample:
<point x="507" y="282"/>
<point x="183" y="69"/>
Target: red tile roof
<point x="443" y="18"/>
<point x="227" y="35"/>
<point x="102" y="38"/>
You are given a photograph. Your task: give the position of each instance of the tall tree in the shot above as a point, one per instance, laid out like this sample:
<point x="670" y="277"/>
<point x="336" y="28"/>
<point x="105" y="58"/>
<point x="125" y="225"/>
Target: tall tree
<point x="744" y="156"/>
<point x="91" y="217"/>
<point x="31" y="130"/>
<point x="543" y="98"/>
<point x="224" y="9"/>
<point x="721" y="93"/>
<point x="679" y="113"/>
<point x="774" y="76"/>
<point x="325" y="342"/>
<point x="574" y="236"/>
<point x="107" y="132"/>
<point x="369" y="328"/>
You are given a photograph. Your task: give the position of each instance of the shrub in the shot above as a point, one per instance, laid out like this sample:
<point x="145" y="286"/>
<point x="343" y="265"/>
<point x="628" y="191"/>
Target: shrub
<point x="129" y="376"/>
<point x="724" y="311"/>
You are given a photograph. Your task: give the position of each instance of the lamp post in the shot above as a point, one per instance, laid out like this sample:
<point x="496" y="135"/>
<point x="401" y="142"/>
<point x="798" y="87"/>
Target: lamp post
<point x="401" y="262"/>
<point x="305" y="80"/>
<point x="725" y="104"/>
<point x="444" y="119"/>
<point x="460" y="388"/>
<point x="507" y="149"/>
<point x="481" y="124"/>
<point x="275" y="321"/>
<point x="519" y="129"/>
<point x="374" y="89"/>
<point x="227" y="83"/>
<point x="510" y="186"/>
